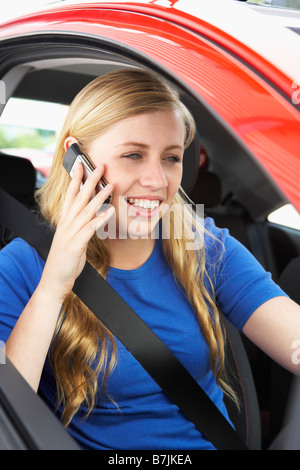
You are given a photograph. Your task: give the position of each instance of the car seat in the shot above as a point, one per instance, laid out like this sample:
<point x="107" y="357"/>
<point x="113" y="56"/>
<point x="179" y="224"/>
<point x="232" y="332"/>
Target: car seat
<point x="206" y="190"/>
<point x="17" y="177"/>
<point x="281" y="378"/>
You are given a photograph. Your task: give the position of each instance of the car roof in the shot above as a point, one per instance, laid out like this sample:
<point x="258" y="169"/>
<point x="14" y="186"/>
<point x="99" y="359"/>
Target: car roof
<point x="264" y="34"/>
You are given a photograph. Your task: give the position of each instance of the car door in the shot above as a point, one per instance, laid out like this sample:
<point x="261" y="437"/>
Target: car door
<point x="245" y="154"/>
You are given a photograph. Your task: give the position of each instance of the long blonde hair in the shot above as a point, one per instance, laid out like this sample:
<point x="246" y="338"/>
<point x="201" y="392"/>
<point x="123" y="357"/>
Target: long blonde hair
<point x="82" y="346"/>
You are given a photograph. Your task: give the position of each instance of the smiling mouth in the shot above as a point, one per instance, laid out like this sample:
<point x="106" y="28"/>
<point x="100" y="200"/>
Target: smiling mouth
<point x="144" y="204"/>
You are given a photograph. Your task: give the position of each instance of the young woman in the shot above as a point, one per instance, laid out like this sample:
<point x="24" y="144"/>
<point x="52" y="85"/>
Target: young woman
<point x="135" y="129"/>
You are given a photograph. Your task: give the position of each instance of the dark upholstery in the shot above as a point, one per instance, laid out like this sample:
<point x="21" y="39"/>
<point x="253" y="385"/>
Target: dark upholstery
<point x="17" y="177"/>
<point x="207" y="190"/>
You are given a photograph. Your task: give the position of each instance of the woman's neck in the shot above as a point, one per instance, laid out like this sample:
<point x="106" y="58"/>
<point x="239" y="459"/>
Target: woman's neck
<point x="129" y="253"/>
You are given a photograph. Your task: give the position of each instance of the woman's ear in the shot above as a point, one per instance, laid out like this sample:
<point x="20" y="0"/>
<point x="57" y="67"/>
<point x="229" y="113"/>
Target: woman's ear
<point x="69" y="141"/>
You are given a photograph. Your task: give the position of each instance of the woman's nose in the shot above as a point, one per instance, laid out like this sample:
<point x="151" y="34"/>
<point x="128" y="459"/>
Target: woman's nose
<point x="154" y="176"/>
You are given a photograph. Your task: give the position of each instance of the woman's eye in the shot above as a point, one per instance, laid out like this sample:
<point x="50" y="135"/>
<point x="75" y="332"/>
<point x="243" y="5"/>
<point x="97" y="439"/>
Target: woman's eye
<point x="133" y="156"/>
<point x="174" y="159"/>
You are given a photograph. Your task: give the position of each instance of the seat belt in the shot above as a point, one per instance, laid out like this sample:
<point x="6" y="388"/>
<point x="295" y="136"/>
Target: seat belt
<point x="130" y="329"/>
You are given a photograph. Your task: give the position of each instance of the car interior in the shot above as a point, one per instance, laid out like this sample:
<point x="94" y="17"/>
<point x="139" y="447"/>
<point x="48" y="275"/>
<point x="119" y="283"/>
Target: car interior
<point x="219" y="172"/>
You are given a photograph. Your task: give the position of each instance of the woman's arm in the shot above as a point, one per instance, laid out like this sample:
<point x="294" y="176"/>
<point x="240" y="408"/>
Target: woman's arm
<point x="275" y="328"/>
<point x="29" y="341"/>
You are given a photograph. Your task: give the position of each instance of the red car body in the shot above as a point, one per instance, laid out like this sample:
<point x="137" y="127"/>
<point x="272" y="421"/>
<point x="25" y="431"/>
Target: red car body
<point x="258" y="100"/>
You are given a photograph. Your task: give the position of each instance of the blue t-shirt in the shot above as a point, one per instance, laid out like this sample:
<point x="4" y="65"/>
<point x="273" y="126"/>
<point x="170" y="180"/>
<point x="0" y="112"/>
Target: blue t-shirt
<point x="145" y="418"/>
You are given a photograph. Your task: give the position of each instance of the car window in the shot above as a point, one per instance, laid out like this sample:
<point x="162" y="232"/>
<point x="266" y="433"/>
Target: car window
<point x="287" y="216"/>
<point x="29" y="128"/>
<point x="295" y="4"/>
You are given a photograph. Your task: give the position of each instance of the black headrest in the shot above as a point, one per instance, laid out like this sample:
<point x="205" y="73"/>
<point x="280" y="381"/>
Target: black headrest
<point x="17" y="177"/>
<point x="191" y="163"/>
<point x="207" y="189"/>
<point x="289" y="279"/>
<point x="201" y="185"/>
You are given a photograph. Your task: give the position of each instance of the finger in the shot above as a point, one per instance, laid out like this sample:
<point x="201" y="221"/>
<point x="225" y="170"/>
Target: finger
<point x="97" y="203"/>
<point x="73" y="188"/>
<point x="103" y="216"/>
<point x="79" y="194"/>
<point x="90" y="185"/>
<point x="99" y="221"/>
<point x="93" y="207"/>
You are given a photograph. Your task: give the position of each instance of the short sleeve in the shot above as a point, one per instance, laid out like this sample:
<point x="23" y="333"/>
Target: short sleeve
<point x="20" y="272"/>
<point x="241" y="284"/>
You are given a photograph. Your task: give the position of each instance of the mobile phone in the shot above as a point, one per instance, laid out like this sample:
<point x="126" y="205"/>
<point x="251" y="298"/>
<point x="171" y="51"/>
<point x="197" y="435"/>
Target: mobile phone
<point x="74" y="155"/>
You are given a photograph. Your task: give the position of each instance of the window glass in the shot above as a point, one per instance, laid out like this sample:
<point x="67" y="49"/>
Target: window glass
<point x="287" y="216"/>
<point x="295" y="4"/>
<point x="29" y="129"/>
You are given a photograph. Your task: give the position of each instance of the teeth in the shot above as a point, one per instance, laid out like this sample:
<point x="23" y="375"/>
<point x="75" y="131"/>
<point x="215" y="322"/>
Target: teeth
<point x="144" y="203"/>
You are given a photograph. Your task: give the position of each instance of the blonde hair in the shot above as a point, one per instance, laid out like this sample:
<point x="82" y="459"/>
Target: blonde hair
<point x="81" y="344"/>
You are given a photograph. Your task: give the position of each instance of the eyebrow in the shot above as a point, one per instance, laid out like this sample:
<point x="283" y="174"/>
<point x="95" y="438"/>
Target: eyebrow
<point x="140" y="144"/>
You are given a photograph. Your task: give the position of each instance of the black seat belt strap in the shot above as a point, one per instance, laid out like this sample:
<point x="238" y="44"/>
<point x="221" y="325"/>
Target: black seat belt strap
<point x="129" y="328"/>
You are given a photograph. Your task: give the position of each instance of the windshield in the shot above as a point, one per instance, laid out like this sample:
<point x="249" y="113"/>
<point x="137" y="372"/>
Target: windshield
<point x="294" y="4"/>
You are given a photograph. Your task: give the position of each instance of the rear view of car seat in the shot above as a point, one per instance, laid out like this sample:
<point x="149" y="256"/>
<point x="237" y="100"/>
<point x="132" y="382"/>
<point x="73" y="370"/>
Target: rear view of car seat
<point x="17" y="177"/>
<point x="207" y="191"/>
<point x="281" y="378"/>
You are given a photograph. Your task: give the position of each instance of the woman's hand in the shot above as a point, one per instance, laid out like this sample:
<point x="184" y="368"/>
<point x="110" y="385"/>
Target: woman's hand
<point x="78" y="223"/>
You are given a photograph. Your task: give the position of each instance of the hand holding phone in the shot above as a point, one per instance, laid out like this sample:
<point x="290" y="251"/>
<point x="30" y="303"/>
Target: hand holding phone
<point x="80" y="219"/>
<point x="74" y="155"/>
